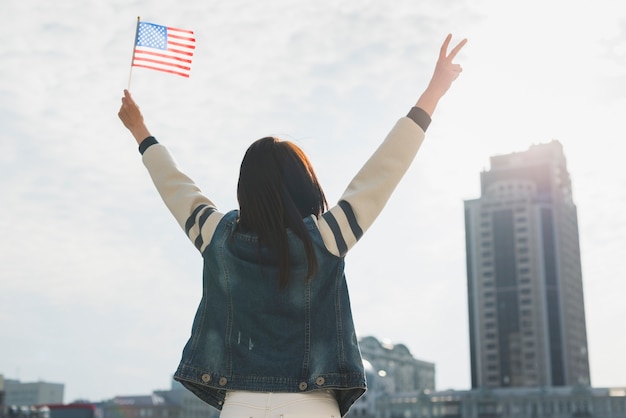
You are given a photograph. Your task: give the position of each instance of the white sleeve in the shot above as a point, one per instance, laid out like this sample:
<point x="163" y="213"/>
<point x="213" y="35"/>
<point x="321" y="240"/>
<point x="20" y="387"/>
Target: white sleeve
<point x="194" y="212"/>
<point x="368" y="192"/>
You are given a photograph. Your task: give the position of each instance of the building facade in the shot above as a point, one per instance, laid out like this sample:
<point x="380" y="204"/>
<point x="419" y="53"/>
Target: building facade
<point x="390" y="369"/>
<point x="552" y="402"/>
<point x="32" y="393"/>
<point x="176" y="402"/>
<point x="525" y="293"/>
<point x="396" y="368"/>
<point x="191" y="406"/>
<point x="145" y="406"/>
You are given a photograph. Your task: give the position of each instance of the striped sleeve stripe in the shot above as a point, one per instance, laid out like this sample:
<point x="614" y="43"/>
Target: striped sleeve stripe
<point x="336" y="230"/>
<point x="204" y="217"/>
<point x="191" y="221"/>
<point x="199" y="242"/>
<point x="354" y="225"/>
<point x="196" y="222"/>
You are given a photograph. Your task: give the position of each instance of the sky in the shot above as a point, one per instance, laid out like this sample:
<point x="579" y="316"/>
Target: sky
<point x="98" y="285"/>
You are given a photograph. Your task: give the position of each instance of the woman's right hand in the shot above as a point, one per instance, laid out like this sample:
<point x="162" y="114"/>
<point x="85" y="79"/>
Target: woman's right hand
<point x="131" y="117"/>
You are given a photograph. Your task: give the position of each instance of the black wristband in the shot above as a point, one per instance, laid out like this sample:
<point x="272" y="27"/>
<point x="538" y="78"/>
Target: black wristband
<point x="419" y="116"/>
<point x="147" y="143"/>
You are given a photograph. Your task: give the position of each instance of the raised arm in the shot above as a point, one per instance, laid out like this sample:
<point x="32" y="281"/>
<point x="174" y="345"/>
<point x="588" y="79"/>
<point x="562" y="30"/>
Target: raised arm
<point x="366" y="195"/>
<point x="195" y="213"/>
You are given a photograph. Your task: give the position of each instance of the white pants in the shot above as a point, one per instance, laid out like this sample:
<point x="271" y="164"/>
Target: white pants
<point x="315" y="404"/>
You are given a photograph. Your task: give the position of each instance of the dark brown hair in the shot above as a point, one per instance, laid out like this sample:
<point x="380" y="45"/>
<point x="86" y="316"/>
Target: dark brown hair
<point x="278" y="188"/>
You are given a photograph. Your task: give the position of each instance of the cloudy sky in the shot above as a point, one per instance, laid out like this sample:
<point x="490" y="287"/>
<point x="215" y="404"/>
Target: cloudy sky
<point x="98" y="286"/>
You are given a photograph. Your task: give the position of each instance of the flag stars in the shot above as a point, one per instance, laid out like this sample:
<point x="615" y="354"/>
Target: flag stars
<point x="152" y="36"/>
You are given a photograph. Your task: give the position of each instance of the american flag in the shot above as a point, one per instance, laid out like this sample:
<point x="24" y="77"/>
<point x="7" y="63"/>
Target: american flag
<point x="163" y="48"/>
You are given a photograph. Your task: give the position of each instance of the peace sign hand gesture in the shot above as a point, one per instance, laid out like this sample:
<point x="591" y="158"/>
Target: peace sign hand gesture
<point x="445" y="73"/>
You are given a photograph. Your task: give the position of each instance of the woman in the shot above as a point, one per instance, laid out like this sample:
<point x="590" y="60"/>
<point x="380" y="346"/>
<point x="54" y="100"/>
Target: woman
<point x="273" y="335"/>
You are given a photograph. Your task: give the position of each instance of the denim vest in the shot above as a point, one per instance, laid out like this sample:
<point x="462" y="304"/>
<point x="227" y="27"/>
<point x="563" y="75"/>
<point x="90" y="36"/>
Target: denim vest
<point x="250" y="335"/>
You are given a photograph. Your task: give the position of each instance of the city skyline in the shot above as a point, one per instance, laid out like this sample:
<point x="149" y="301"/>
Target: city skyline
<point x="98" y="285"/>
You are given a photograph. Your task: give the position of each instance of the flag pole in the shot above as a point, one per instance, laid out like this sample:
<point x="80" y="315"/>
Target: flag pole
<point x="133" y="57"/>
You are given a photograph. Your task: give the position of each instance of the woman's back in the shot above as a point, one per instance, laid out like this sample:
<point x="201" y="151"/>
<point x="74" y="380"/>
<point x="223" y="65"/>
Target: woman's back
<point x="250" y="334"/>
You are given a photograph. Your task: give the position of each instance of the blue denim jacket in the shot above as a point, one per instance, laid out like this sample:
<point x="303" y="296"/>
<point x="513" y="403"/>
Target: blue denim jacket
<point x="250" y="335"/>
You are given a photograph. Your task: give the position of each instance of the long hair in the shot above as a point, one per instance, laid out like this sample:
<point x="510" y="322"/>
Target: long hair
<point x="277" y="188"/>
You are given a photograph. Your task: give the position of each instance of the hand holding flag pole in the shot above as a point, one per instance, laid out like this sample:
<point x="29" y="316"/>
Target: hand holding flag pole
<point x="162" y="48"/>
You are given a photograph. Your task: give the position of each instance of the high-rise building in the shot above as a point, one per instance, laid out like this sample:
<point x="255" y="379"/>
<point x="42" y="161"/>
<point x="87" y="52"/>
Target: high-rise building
<point x="525" y="292"/>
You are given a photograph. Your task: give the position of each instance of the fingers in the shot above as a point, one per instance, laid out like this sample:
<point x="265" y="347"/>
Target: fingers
<point x="456" y="49"/>
<point x="443" y="52"/>
<point x="127" y="99"/>
<point x="129" y="112"/>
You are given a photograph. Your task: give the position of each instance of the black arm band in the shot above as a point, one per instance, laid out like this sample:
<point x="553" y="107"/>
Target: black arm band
<point x="419" y="116"/>
<point x="147" y="143"/>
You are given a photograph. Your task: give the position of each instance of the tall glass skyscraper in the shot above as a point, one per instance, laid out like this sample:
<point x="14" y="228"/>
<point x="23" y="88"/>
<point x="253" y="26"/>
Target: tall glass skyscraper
<point x="525" y="293"/>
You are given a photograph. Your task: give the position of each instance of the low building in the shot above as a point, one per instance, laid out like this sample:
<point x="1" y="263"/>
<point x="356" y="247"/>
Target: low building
<point x="32" y="393"/>
<point x="177" y="402"/>
<point x="2" y="408"/>
<point x="152" y="406"/>
<point x="390" y="369"/>
<point x="192" y="406"/>
<point x="547" y="402"/>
